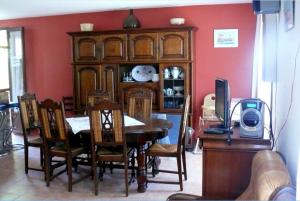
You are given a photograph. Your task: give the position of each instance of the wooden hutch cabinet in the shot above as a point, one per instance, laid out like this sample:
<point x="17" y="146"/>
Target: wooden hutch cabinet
<point x="106" y="59"/>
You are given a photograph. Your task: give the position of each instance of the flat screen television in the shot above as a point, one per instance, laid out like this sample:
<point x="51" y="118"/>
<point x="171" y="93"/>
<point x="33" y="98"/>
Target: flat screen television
<point x="222" y="102"/>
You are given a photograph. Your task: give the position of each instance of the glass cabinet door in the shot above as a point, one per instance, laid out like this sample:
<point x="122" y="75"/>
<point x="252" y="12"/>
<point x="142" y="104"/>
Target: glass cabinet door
<point x="174" y="85"/>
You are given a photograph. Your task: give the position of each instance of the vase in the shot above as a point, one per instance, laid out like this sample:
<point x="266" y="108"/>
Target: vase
<point x="175" y="72"/>
<point x="131" y="21"/>
<point x="166" y="73"/>
<point x="155" y="77"/>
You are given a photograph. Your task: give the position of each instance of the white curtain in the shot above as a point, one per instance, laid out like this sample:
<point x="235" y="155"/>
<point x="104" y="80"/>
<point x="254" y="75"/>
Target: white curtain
<point x="298" y="178"/>
<point x="257" y="57"/>
<point x="265" y="56"/>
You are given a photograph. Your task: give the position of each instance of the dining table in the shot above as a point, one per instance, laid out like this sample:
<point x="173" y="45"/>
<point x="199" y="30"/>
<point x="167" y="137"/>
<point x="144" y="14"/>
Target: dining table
<point x="138" y="134"/>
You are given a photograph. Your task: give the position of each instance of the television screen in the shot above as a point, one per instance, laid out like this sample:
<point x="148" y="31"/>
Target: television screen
<point x="222" y="101"/>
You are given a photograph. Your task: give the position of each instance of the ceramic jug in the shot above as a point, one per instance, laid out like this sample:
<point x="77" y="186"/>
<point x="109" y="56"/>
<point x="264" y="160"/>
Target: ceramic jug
<point x="170" y="92"/>
<point x="155" y="77"/>
<point x="175" y="72"/>
<point x="166" y="73"/>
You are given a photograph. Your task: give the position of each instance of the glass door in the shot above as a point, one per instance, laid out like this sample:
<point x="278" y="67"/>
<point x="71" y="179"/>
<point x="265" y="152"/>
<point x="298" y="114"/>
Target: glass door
<point x="12" y="69"/>
<point x="174" y="86"/>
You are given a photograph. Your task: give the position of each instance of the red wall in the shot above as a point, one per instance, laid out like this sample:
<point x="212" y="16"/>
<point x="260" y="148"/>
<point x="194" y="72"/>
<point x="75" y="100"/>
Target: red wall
<point x="48" y="47"/>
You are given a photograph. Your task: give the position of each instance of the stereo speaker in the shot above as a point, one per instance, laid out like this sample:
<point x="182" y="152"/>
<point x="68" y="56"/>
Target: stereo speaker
<point x="252" y="118"/>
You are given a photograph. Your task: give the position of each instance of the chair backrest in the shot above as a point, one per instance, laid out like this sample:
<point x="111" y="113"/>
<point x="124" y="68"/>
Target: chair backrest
<point x="183" y="123"/>
<point x="97" y="96"/>
<point x="68" y="102"/>
<point x="29" y="111"/>
<point x="53" y="121"/>
<point x="139" y="103"/>
<point x="107" y="124"/>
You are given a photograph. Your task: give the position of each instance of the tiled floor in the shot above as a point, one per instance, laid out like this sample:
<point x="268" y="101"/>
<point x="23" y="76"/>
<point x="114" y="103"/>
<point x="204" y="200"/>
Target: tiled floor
<point x="16" y="185"/>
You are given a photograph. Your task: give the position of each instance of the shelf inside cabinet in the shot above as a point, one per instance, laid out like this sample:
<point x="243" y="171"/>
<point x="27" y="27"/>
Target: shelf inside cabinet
<point x="128" y="72"/>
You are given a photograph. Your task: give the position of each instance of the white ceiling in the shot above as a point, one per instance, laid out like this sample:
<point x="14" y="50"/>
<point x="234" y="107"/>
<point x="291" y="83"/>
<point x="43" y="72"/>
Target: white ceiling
<point x="12" y="9"/>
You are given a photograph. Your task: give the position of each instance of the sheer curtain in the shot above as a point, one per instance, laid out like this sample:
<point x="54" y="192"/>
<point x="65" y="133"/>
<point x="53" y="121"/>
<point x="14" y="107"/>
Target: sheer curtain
<point x="265" y="60"/>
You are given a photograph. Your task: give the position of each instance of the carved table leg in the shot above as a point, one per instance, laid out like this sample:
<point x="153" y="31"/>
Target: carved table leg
<point x="141" y="174"/>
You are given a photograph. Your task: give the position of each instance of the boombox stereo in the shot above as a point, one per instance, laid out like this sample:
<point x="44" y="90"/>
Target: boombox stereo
<point x="252" y="118"/>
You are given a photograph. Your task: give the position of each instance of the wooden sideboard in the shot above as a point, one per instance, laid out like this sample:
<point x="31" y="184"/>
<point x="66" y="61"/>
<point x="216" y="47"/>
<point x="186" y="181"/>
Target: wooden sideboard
<point x="100" y="59"/>
<point x="227" y="168"/>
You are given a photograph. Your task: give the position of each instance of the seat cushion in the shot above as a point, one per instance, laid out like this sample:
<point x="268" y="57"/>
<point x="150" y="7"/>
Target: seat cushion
<point x="35" y="142"/>
<point x="110" y="154"/>
<point x="61" y="150"/>
<point x="162" y="150"/>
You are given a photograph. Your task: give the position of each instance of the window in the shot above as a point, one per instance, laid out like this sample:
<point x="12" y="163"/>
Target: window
<point x="12" y="62"/>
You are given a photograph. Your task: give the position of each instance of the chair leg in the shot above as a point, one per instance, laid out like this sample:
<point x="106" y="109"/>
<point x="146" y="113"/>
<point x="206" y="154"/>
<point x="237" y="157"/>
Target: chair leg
<point x="41" y="157"/>
<point x="26" y="158"/>
<point x="47" y="169"/>
<point x="184" y="164"/>
<point x="95" y="178"/>
<point x="153" y="166"/>
<point x="126" y="178"/>
<point x="179" y="172"/>
<point x="69" y="171"/>
<point x="111" y="164"/>
<point x="102" y="170"/>
<point x="132" y="164"/>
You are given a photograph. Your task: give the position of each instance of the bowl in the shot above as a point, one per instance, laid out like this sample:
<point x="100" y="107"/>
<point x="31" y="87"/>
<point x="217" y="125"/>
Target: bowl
<point x="177" y="21"/>
<point x="86" y="26"/>
<point x="178" y="88"/>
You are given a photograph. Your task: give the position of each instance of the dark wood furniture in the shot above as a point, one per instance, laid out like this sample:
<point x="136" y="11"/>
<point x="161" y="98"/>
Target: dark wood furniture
<point x="56" y="140"/>
<point x="173" y="150"/>
<point x="139" y="103"/>
<point x="108" y="138"/>
<point x="68" y="103"/>
<point x="138" y="136"/>
<point x="97" y="96"/>
<point x="227" y="168"/>
<point x="31" y="127"/>
<point x="100" y="59"/>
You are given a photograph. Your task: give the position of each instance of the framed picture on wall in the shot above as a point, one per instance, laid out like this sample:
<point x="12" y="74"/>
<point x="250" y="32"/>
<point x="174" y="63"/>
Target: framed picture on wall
<point x="289" y="14"/>
<point x="224" y="38"/>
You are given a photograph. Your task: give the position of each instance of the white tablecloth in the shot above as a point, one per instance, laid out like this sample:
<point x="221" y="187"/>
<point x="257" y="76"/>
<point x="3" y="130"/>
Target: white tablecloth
<point x="83" y="123"/>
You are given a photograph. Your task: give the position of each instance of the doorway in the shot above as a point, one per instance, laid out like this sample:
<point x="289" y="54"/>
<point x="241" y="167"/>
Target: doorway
<point x="12" y="68"/>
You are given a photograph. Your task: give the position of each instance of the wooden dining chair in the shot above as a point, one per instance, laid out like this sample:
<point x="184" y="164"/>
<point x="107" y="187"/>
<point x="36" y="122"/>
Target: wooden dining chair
<point x="56" y="138"/>
<point x="97" y="96"/>
<point x="139" y="103"/>
<point x="107" y="138"/>
<point x="173" y="150"/>
<point x="31" y="128"/>
<point x="139" y="106"/>
<point x="68" y="103"/>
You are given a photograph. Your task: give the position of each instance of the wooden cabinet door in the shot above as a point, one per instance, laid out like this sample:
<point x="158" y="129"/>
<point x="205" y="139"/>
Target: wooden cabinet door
<point x="86" y="49"/>
<point x="175" y="85"/>
<point x="143" y="47"/>
<point x="110" y="80"/>
<point x="87" y="78"/>
<point x="113" y="47"/>
<point x="173" y="46"/>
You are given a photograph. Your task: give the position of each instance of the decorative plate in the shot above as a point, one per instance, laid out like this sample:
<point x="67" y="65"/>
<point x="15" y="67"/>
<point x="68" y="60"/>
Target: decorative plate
<point x="143" y="73"/>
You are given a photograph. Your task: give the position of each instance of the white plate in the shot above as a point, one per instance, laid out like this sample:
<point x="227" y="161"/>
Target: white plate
<point x="143" y="73"/>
